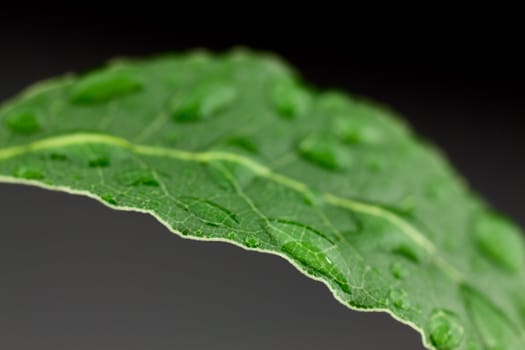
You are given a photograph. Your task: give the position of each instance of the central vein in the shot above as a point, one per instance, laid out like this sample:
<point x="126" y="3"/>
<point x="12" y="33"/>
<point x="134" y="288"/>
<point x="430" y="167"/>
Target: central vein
<point x="356" y="206"/>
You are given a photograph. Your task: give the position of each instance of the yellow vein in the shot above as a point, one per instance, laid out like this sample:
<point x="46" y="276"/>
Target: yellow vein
<point x="259" y="169"/>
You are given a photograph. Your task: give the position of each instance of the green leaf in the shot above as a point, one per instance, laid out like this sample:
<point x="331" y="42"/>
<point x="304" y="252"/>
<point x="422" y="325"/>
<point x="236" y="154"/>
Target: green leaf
<point x="236" y="148"/>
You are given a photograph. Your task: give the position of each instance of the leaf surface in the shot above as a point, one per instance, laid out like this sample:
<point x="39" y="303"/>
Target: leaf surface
<point x="236" y="148"/>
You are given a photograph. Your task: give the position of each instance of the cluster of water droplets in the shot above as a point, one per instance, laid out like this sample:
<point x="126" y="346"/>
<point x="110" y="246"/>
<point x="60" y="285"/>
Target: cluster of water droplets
<point x="496" y="238"/>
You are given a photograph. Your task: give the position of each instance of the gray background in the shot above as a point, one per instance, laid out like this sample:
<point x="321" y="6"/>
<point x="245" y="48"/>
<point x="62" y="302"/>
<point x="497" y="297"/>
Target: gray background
<point x="76" y="275"/>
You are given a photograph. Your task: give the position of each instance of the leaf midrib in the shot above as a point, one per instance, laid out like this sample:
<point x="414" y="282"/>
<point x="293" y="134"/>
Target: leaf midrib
<point x="354" y="205"/>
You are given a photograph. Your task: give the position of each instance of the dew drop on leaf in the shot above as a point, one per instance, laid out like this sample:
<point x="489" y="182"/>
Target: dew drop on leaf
<point x="325" y="152"/>
<point x="23" y="122"/>
<point x="28" y="173"/>
<point x="409" y="251"/>
<point x="103" y="87"/>
<point x="290" y="100"/>
<point x="202" y="103"/>
<point x="398" y="270"/>
<point x="57" y="156"/>
<point x="243" y="143"/>
<point x="500" y="241"/>
<point x="445" y="330"/>
<point x="399" y="298"/>
<point x="198" y="233"/>
<point x="108" y="198"/>
<point x="99" y="162"/>
<point x="357" y="131"/>
<point x="251" y="242"/>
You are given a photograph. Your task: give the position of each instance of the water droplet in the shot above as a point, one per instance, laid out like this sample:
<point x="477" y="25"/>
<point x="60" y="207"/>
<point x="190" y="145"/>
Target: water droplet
<point x="357" y="131"/>
<point x="445" y="330"/>
<point x="500" y="241"/>
<point x="57" y="156"/>
<point x="313" y="199"/>
<point x="290" y="100"/>
<point x="317" y="261"/>
<point x="251" y="242"/>
<point x="399" y="298"/>
<point x="209" y="212"/>
<point x="103" y="87"/>
<point x="99" y="162"/>
<point x="23" y="122"/>
<point x="244" y="143"/>
<point x="398" y="270"/>
<point x="325" y="152"/>
<point x="409" y="251"/>
<point x="138" y="177"/>
<point x="28" y="173"/>
<point x="108" y="198"/>
<point x="204" y="102"/>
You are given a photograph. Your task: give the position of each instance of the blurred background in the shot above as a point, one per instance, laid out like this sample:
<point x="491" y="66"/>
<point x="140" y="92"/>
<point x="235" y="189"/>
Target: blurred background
<point x="76" y="275"/>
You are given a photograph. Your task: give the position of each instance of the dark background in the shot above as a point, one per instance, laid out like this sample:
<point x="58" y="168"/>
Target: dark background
<point x="76" y="275"/>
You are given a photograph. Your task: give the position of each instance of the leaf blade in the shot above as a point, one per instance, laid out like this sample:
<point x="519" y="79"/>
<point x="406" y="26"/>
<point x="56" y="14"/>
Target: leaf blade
<point x="340" y="188"/>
